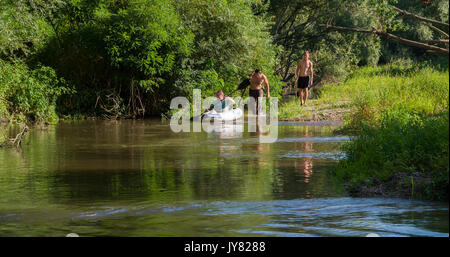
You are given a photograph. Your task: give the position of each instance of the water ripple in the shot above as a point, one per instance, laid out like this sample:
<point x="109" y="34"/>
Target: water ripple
<point x="336" y="216"/>
<point x="329" y="155"/>
<point x="314" y="139"/>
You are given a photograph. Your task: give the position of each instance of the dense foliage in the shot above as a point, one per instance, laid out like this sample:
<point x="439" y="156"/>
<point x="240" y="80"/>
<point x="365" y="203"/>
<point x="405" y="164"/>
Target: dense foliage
<point x="414" y="29"/>
<point x="129" y="58"/>
<point x="29" y="95"/>
<point x="121" y="56"/>
<point x="21" y="32"/>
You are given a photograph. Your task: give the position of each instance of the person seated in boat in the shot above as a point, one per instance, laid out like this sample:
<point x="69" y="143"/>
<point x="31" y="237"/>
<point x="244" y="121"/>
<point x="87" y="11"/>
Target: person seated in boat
<point x="221" y="104"/>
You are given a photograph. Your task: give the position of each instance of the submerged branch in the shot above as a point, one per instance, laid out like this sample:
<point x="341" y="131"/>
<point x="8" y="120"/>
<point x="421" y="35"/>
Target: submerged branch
<point x="17" y="141"/>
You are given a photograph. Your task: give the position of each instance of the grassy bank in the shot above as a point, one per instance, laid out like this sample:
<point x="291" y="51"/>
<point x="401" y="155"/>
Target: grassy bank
<point x="291" y="110"/>
<point x="405" y="156"/>
<point x="372" y="92"/>
<point x="399" y="115"/>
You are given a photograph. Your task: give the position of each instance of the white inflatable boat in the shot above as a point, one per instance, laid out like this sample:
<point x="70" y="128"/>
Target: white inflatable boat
<point x="224" y="116"/>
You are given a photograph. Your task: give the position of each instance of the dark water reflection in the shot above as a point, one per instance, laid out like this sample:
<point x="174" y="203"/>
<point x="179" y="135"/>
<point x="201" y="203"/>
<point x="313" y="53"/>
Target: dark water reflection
<point x="138" y="178"/>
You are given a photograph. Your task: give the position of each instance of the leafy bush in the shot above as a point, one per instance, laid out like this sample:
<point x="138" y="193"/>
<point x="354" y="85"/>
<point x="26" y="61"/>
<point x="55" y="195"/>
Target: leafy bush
<point x="146" y="38"/>
<point x="229" y="41"/>
<point x="121" y="55"/>
<point x="29" y="95"/>
<point x="130" y="58"/>
<point x="21" y="32"/>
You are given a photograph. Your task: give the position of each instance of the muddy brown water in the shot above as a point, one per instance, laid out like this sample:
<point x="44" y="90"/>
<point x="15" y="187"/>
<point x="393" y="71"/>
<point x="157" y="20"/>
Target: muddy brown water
<point x="138" y="178"/>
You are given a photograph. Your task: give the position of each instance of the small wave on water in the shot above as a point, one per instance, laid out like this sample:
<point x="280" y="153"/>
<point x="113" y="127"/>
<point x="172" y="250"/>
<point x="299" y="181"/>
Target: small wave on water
<point x="316" y="124"/>
<point x="289" y="218"/>
<point x="330" y="155"/>
<point x="131" y="211"/>
<point x="293" y="155"/>
<point x="307" y="217"/>
<point x="314" y="139"/>
<point x="339" y="217"/>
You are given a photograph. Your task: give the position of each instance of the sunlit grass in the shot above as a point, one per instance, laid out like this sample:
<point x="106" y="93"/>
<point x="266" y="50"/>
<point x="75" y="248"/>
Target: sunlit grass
<point x="400" y="119"/>
<point x="293" y="109"/>
<point x="372" y="91"/>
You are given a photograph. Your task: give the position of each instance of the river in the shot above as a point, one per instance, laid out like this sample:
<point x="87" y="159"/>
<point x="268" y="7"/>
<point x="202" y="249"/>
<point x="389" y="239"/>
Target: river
<point x="138" y="178"/>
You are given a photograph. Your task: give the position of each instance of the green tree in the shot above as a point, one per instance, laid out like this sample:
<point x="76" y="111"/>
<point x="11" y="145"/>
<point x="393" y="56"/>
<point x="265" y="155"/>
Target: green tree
<point x="29" y="95"/>
<point x="120" y="54"/>
<point x="21" y="32"/>
<point x="408" y="33"/>
<point x="297" y="27"/>
<point x="129" y="58"/>
<point x="230" y="42"/>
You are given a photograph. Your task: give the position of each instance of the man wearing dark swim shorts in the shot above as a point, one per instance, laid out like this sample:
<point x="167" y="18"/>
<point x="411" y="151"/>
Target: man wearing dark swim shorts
<point x="304" y="67"/>
<point x="256" y="80"/>
<point x="303" y="82"/>
<point x="256" y="93"/>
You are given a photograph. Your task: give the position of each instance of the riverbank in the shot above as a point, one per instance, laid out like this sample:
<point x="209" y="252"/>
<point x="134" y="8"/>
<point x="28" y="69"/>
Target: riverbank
<point x="313" y="111"/>
<point x="399" y="117"/>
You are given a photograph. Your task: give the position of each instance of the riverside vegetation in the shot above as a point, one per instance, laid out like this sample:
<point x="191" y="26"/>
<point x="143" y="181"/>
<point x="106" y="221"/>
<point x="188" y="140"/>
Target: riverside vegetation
<point x="126" y="59"/>
<point x="399" y="117"/>
<point x="401" y="122"/>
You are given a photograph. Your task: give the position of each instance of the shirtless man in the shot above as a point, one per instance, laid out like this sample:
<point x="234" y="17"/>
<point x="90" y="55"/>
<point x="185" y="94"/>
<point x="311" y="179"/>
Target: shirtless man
<point x="256" y="80"/>
<point x="304" y="80"/>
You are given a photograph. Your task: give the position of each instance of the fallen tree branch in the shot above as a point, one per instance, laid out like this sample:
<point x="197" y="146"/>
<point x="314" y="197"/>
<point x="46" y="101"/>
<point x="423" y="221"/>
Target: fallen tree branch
<point x="380" y="33"/>
<point x="438" y="41"/>
<point x="4" y="143"/>
<point x="17" y="141"/>
<point x="437" y="30"/>
<point x="405" y="13"/>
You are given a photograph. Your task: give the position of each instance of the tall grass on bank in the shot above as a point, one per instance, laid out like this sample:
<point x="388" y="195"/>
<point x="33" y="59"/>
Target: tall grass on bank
<point x="403" y="148"/>
<point x="373" y="91"/>
<point x="292" y="109"/>
<point x="401" y="122"/>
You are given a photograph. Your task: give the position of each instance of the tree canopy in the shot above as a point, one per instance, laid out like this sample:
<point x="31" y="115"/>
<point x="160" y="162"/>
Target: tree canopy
<point x="128" y="58"/>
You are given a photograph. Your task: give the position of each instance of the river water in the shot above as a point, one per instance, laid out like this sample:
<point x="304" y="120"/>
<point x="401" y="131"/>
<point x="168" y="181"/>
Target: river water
<point x="138" y="178"/>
